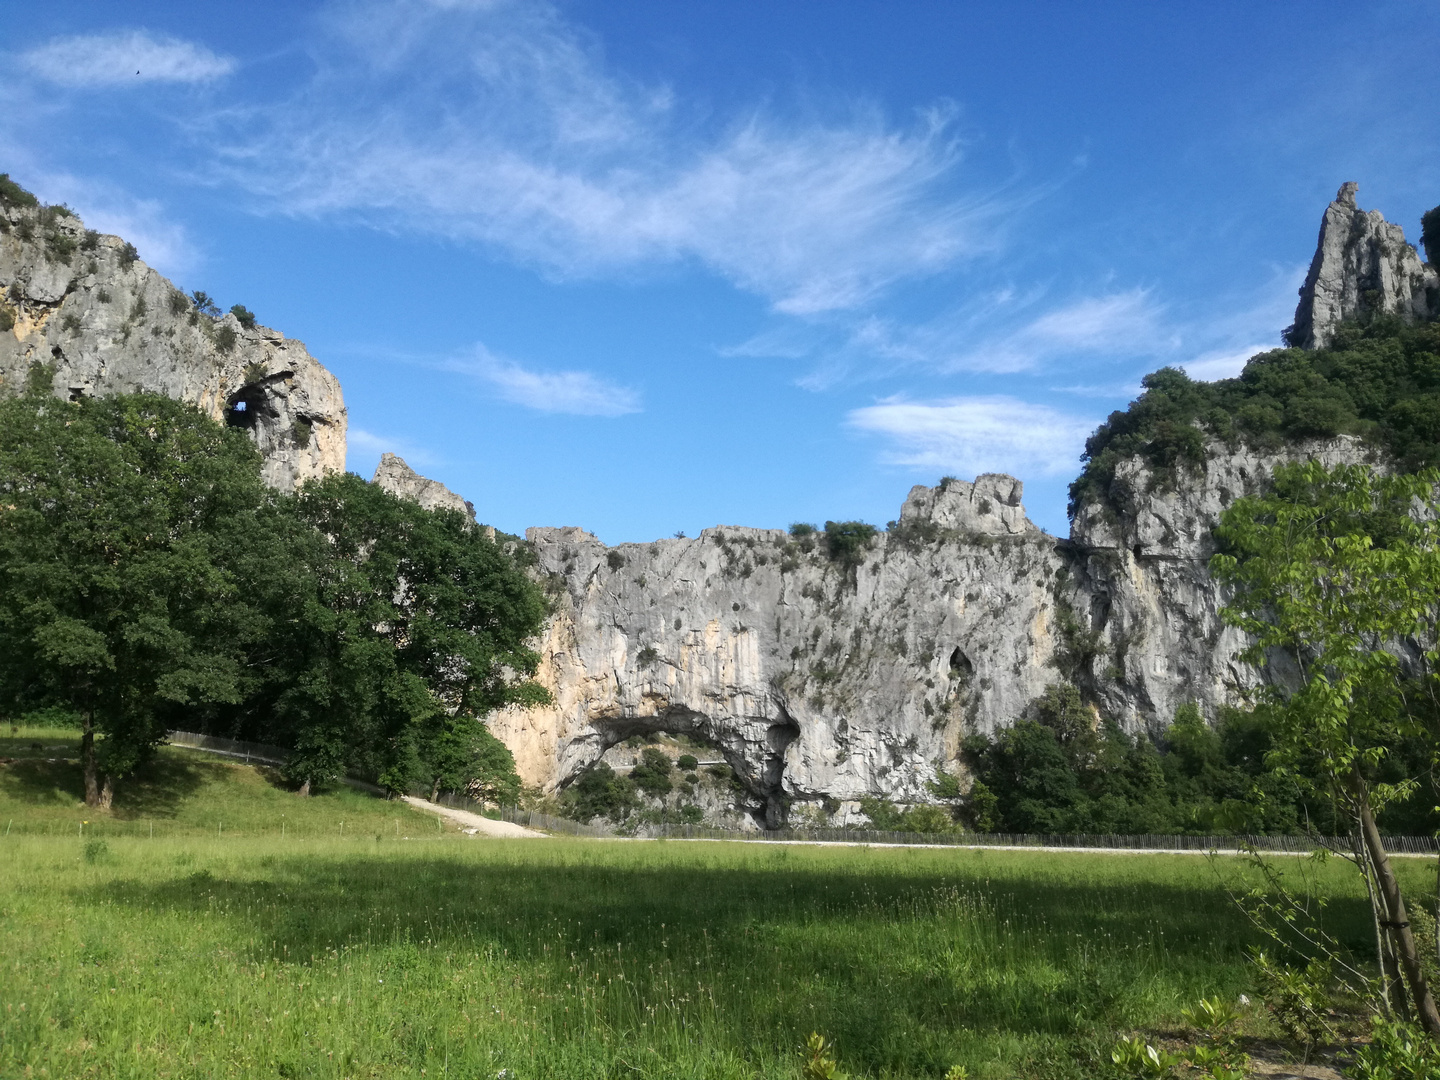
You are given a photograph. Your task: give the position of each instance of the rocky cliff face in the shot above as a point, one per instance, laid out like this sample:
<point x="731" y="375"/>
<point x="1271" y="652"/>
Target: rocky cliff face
<point x="400" y="480"/>
<point x="105" y="323"/>
<point x="823" y="682"/>
<point x="1362" y="265"/>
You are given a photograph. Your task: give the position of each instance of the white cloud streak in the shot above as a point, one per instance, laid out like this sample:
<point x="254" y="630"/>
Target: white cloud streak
<point x="124" y="58"/>
<point x="972" y="435"/>
<point x="577" y="393"/>
<point x="1221" y="363"/>
<point x="500" y="124"/>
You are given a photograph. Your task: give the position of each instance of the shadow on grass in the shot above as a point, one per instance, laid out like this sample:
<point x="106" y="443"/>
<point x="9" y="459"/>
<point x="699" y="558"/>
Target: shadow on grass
<point x="864" y="954"/>
<point x="156" y="790"/>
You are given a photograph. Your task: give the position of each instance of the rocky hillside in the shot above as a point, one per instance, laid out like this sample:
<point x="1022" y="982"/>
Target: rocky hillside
<point x="84" y="309"/>
<point x="824" y="677"/>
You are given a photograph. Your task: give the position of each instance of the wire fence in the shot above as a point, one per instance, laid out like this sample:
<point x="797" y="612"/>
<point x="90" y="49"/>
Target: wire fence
<point x="535" y="819"/>
<point x="246" y="751"/>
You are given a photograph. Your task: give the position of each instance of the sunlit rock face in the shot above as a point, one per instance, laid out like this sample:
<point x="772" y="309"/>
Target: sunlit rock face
<point x="400" y="480"/>
<point x="103" y="322"/>
<point x="1362" y="266"/>
<point x="822" y="683"/>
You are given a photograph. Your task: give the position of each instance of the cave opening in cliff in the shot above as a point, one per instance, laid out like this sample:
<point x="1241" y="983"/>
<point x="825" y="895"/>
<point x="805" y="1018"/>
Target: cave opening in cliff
<point x="246" y="407"/>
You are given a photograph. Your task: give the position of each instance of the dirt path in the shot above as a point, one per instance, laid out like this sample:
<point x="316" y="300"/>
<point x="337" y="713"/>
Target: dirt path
<point x="474" y="824"/>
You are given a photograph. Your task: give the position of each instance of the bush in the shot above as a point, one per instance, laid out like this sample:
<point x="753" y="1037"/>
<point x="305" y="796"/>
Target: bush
<point x="1430" y="236"/>
<point x="60" y="247"/>
<point x="179" y="302"/>
<point x="302" y="430"/>
<point x="225" y="338"/>
<point x="599" y="792"/>
<point x="12" y="194"/>
<point x="128" y="256"/>
<point x="802" y="528"/>
<point x="647" y="656"/>
<point x="652" y="774"/>
<point x="687" y="762"/>
<point x="7" y="317"/>
<point x="204" y="303"/>
<point x="847" y="541"/>
<point x="922" y="818"/>
<point x="243" y="316"/>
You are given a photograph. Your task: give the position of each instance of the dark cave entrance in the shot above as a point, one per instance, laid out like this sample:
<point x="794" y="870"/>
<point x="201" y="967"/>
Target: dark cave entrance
<point x="247" y="407"/>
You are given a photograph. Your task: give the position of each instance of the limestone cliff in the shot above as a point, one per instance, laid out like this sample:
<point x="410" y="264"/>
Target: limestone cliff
<point x="109" y="324"/>
<point x="823" y="683"/>
<point x="1362" y="265"/>
<point x="825" y="680"/>
<point x="400" y="480"/>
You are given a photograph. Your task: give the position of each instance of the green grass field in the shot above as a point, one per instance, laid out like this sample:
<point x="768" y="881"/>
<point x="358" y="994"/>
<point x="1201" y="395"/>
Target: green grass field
<point x="245" y="953"/>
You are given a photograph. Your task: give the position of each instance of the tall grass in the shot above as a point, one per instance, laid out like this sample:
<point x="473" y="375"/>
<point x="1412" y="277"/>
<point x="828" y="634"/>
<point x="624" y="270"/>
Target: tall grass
<point x="248" y="954"/>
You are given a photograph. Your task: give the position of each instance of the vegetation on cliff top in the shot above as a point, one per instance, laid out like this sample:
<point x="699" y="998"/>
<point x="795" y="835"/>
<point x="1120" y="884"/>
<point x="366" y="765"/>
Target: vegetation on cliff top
<point x="1378" y="379"/>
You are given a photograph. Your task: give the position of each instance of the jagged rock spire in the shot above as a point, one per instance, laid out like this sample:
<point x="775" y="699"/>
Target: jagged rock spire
<point x="1362" y="266"/>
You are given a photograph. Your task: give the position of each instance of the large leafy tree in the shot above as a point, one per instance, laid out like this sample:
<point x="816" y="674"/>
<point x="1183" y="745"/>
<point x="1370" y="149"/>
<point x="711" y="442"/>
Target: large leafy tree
<point x="415" y="624"/>
<point x="124" y="526"/>
<point x="1337" y="578"/>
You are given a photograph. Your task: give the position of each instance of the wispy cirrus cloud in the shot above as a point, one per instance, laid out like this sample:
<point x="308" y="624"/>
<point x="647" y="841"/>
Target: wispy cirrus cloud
<point x="577" y="393"/>
<point x="124" y="58"/>
<point x="370" y="445"/>
<point x="973" y="435"/>
<point x="501" y="124"/>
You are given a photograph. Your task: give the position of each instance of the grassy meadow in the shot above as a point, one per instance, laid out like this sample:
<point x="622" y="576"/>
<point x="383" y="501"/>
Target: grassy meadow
<point x="399" y="949"/>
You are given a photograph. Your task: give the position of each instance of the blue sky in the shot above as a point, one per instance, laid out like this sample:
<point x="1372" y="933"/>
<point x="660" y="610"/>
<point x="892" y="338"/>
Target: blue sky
<point x="651" y="266"/>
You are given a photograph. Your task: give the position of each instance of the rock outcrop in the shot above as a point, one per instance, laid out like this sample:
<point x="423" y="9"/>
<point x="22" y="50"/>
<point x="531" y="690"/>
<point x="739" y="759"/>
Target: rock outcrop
<point x="1362" y="266"/>
<point x="399" y="479"/>
<point x="84" y="308"/>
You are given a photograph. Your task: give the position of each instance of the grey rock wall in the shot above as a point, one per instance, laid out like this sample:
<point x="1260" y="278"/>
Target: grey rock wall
<point x="109" y="324"/>
<point x="822" y="684"/>
<point x="1362" y="265"/>
<point x="400" y="480"/>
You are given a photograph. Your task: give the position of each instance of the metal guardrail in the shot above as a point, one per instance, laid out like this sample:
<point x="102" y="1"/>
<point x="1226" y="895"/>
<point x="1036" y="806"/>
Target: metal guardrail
<point x="1409" y="845"/>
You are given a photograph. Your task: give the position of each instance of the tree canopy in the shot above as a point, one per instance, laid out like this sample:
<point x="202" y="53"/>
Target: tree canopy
<point x="1379" y="380"/>
<point x="149" y="580"/>
<point x="124" y="532"/>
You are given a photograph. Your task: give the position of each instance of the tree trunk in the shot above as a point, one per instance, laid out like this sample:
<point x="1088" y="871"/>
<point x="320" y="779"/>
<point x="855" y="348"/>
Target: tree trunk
<point x="107" y="794"/>
<point x="87" y="762"/>
<point x="304" y="791"/>
<point x="435" y="791"/>
<point x="1398" y="924"/>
